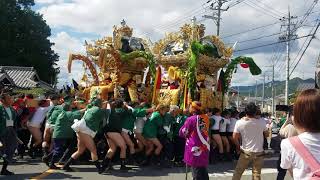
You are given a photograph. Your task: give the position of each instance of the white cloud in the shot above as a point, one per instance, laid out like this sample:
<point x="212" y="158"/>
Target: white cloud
<point x="64" y="45"/>
<point x="153" y="18"/>
<point x="48" y="1"/>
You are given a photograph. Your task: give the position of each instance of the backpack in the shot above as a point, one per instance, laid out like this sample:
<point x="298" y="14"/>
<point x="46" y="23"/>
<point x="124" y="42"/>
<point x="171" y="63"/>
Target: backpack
<point x="307" y="157"/>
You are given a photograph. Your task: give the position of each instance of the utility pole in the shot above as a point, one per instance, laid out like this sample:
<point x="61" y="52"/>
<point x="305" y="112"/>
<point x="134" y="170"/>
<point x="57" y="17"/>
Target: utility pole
<point x="272" y="109"/>
<point x="288" y="37"/>
<point x="216" y="7"/>
<point x="256" y="93"/>
<point x="264" y="81"/>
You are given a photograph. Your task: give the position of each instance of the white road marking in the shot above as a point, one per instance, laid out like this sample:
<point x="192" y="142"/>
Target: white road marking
<point x="247" y="172"/>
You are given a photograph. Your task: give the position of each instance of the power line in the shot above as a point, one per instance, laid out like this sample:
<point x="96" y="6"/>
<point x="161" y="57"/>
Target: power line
<point x="181" y="19"/>
<point x="249" y="30"/>
<point x="312" y="37"/>
<point x="259" y="8"/>
<point x="188" y="14"/>
<point x="259" y="27"/>
<point x="270" y="7"/>
<point x="261" y="37"/>
<point x="265" y="9"/>
<point x="235" y="3"/>
<point x="264" y="45"/>
<point x="216" y="16"/>
<point x="296" y="58"/>
<point x="306" y="15"/>
<point x="279" y="56"/>
<point x="300" y="24"/>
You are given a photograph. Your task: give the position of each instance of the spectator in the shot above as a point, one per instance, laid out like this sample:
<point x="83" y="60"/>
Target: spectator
<point x="51" y="117"/>
<point x="35" y="124"/>
<point x="8" y="137"/>
<point x="215" y="131"/>
<point x="230" y="129"/>
<point x="251" y="131"/>
<point x="307" y="122"/>
<point x="224" y="123"/>
<point x="287" y="130"/>
<point x="179" y="142"/>
<point x="196" y="132"/>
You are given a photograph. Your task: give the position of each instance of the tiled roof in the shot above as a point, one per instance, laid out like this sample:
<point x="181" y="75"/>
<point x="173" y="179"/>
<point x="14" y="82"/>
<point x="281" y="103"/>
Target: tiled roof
<point x="44" y="85"/>
<point x="4" y="75"/>
<point x="23" y="77"/>
<point x="305" y="86"/>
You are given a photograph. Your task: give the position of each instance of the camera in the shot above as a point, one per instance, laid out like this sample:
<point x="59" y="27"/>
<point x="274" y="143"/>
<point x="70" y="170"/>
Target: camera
<point x="284" y="108"/>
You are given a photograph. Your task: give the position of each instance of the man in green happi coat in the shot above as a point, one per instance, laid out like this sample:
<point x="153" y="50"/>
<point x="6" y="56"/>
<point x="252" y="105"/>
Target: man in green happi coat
<point x="8" y="136"/>
<point x="63" y="133"/>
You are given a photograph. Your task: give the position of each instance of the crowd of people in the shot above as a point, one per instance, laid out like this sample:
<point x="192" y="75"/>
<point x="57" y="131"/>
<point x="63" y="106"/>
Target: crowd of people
<point x="64" y="130"/>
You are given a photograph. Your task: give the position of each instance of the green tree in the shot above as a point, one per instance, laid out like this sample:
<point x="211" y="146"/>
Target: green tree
<point x="24" y="39"/>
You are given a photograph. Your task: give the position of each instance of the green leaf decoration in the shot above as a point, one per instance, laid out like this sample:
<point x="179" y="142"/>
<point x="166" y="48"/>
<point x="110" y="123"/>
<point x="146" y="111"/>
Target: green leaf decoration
<point x="196" y="49"/>
<point x="147" y="55"/>
<point x="253" y="67"/>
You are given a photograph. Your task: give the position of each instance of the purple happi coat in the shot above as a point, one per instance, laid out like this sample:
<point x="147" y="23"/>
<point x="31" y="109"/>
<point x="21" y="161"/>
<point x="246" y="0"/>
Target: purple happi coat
<point x="195" y="130"/>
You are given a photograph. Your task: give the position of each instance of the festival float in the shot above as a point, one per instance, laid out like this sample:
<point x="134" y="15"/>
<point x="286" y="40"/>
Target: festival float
<point x="191" y="62"/>
<point x="116" y="65"/>
<point x="176" y="70"/>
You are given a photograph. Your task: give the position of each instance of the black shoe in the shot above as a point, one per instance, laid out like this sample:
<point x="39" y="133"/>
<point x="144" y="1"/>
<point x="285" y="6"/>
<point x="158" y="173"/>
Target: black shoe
<point x="131" y="160"/>
<point x="180" y="164"/>
<point x="106" y="164"/>
<point x="221" y="157"/>
<point x="123" y="165"/>
<point x="6" y="173"/>
<point x="32" y="154"/>
<point x="165" y="164"/>
<point x="145" y="162"/>
<point x="52" y="166"/>
<point x="68" y="169"/>
<point x="45" y="160"/>
<point x="67" y="164"/>
<point x="98" y="166"/>
<point x="125" y="168"/>
<point x="45" y="151"/>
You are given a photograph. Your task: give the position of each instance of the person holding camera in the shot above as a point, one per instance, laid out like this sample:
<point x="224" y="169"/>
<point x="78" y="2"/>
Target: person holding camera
<point x="301" y="154"/>
<point x="287" y="130"/>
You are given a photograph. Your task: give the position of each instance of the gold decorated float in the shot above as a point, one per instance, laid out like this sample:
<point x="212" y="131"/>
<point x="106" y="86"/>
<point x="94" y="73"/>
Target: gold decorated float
<point x="180" y="68"/>
<point x="116" y="65"/>
<point x="191" y="62"/>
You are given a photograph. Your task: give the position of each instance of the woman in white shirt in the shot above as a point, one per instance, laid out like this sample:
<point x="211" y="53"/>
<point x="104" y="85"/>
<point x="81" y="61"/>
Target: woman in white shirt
<point x="224" y="123"/>
<point x="34" y="125"/>
<point x="230" y="128"/>
<point x="215" y="130"/>
<point x="307" y="122"/>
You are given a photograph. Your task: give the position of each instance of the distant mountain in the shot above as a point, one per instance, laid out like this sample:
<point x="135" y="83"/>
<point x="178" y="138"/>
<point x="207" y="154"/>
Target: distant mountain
<point x="278" y="85"/>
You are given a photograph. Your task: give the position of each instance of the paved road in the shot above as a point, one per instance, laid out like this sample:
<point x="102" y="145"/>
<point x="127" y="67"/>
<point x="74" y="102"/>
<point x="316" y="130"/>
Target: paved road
<point x="37" y="170"/>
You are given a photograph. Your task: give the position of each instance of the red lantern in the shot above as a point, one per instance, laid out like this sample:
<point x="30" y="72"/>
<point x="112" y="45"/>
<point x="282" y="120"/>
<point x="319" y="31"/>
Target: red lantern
<point x="244" y="65"/>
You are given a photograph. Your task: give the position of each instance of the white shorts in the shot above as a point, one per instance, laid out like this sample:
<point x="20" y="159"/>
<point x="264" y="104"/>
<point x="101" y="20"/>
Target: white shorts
<point x="81" y="126"/>
<point x="34" y="124"/>
<point x="126" y="131"/>
<point x="139" y="124"/>
<point x="49" y="126"/>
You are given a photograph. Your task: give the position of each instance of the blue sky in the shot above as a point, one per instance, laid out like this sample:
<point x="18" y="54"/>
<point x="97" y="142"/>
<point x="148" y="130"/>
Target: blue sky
<point x="73" y="21"/>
